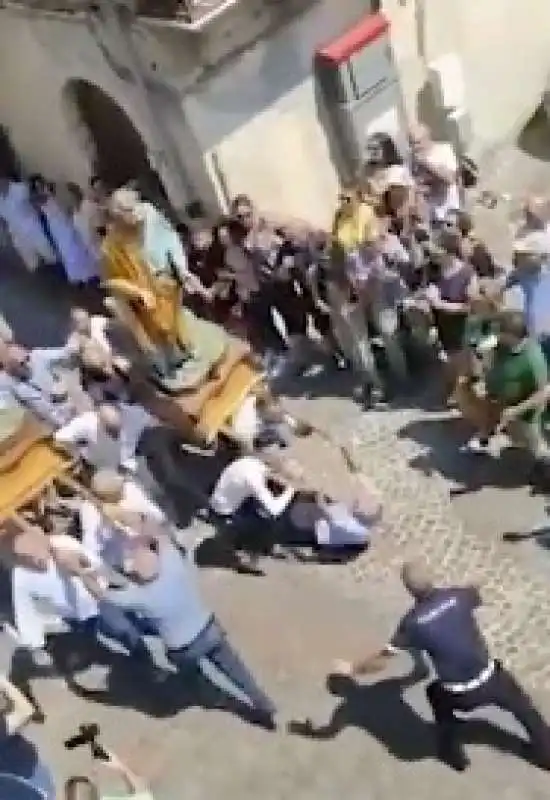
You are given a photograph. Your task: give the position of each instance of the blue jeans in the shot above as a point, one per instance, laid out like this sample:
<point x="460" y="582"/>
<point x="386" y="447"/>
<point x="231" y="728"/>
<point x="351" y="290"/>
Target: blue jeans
<point x="212" y="654"/>
<point x="124" y="628"/>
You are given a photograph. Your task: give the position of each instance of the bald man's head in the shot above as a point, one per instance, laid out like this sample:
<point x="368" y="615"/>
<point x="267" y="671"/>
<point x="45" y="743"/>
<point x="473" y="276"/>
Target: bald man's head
<point x="417" y="579"/>
<point x="81" y="321"/>
<point x="16" y="360"/>
<point x="110" y="418"/>
<point x="107" y="485"/>
<point x="419" y="137"/>
<point x="96" y="358"/>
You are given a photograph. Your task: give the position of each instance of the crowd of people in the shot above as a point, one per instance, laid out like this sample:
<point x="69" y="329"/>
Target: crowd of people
<point x="402" y="276"/>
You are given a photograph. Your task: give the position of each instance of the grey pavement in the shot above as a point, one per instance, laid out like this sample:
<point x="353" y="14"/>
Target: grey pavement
<point x="292" y="623"/>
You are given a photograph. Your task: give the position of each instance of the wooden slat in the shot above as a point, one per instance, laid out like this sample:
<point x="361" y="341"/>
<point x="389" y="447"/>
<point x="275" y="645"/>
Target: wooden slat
<point x="218" y="411"/>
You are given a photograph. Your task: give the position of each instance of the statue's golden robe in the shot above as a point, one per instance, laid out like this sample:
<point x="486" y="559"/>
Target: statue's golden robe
<point x="126" y="274"/>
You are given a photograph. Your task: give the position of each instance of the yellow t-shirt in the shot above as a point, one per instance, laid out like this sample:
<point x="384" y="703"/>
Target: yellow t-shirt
<point x="353" y="230"/>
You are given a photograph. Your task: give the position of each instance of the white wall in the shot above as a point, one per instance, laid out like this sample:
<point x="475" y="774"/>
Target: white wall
<point x="261" y="121"/>
<point x="40" y="54"/>
<point x="256" y="115"/>
<point x="503" y="47"/>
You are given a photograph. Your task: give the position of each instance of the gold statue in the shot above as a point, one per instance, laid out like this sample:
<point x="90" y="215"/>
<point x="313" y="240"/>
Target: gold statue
<point x="145" y="270"/>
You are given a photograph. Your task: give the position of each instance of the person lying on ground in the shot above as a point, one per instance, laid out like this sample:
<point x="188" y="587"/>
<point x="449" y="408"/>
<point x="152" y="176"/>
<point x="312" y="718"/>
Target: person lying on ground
<point x="331" y="529"/>
<point x="244" y="499"/>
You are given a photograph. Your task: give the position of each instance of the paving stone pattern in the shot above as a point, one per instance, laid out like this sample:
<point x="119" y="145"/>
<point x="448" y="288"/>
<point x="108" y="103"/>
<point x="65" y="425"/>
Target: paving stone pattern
<point x="290" y="625"/>
<point x="419" y="520"/>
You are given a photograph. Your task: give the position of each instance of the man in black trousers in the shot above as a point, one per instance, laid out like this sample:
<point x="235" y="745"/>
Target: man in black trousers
<point x="441" y="623"/>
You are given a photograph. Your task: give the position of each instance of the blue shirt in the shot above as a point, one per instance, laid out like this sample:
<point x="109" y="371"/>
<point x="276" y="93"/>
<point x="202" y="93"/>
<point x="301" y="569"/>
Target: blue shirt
<point x="339" y="527"/>
<point x="171" y="601"/>
<point x="535" y="287"/>
<point x="443" y="625"/>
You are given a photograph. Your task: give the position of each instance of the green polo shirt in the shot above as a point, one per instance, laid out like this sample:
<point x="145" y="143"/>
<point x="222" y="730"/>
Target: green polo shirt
<point x="518" y="374"/>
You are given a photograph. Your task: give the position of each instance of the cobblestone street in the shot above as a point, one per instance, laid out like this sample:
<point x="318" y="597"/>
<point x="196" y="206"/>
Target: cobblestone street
<point x="291" y="624"/>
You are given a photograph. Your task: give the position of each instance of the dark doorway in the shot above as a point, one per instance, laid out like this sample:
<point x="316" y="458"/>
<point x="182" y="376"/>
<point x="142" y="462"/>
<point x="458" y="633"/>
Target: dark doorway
<point x="119" y="153"/>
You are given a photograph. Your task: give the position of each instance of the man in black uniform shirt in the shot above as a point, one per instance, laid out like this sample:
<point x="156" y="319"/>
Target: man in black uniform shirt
<point x="441" y="623"/>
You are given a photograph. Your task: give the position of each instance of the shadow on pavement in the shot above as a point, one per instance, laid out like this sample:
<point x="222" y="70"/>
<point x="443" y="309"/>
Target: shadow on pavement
<point x="534" y="139"/>
<point x="142" y="687"/>
<point x="443" y="438"/>
<point x="382" y="712"/>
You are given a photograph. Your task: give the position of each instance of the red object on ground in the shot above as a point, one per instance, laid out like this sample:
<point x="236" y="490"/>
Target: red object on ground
<point x="372" y="27"/>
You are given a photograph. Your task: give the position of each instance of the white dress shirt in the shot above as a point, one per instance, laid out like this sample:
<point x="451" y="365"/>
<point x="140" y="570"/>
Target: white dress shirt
<point x="244" y="479"/>
<point x="101" y="539"/>
<point x="100" y="449"/>
<point x="36" y="596"/>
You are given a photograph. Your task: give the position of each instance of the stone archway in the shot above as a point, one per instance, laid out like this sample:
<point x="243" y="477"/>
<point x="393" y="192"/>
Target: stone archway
<point x="115" y="147"/>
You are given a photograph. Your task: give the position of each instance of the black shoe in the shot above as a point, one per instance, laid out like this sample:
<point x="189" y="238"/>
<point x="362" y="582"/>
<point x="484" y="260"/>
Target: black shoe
<point x="38" y="716"/>
<point x="368" y="398"/>
<point x="455" y="759"/>
<point x="540" y="758"/>
<point x="250" y="565"/>
<point x="263" y="719"/>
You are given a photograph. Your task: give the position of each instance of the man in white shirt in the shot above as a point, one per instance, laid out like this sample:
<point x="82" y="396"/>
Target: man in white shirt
<point x="45" y="593"/>
<point x="108" y="437"/>
<point x="435" y="165"/>
<point x="247" y="495"/>
<point x="246" y="479"/>
<point x="162" y="587"/>
<point x="124" y="501"/>
<point x="28" y="377"/>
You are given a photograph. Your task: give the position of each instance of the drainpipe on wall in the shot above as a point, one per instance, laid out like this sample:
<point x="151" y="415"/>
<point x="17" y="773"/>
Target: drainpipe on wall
<point x="120" y="16"/>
